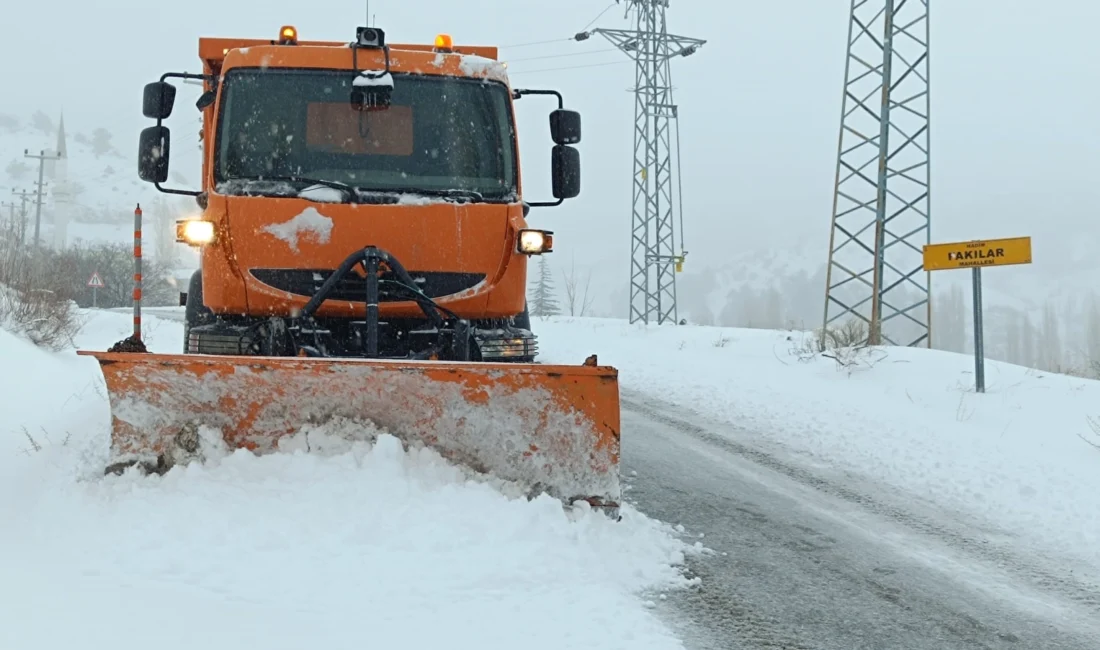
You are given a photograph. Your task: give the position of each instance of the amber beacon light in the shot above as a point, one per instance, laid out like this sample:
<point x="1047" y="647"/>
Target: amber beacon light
<point x="288" y="35"/>
<point x="444" y="43"/>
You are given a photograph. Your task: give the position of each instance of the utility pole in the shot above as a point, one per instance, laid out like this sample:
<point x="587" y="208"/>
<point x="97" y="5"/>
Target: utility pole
<point x="42" y="157"/>
<point x="882" y="200"/>
<point x="24" y="196"/>
<point x="654" y="260"/>
<point x="11" y="218"/>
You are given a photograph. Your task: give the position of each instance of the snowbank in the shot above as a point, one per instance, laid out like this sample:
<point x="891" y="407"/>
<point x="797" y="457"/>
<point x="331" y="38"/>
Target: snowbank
<point x="357" y="546"/>
<point x="1013" y="457"/>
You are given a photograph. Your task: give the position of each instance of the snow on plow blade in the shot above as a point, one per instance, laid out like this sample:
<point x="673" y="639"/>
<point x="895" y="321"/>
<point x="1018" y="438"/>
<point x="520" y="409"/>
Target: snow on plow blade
<point x="548" y="428"/>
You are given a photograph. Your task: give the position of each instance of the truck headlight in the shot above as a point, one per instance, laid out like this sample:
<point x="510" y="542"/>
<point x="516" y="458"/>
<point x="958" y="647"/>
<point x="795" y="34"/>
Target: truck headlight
<point x="194" y="232"/>
<point x="535" y="242"/>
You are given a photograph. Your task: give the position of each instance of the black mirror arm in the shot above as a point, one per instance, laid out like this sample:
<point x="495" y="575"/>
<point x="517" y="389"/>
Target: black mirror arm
<point x="160" y="122"/>
<point x="212" y="79"/>
<point x="544" y="204"/>
<point x="520" y="92"/>
<point x="517" y="94"/>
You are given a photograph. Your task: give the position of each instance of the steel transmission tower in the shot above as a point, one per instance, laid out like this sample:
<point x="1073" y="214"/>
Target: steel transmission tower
<point x="654" y="260"/>
<point x="881" y="206"/>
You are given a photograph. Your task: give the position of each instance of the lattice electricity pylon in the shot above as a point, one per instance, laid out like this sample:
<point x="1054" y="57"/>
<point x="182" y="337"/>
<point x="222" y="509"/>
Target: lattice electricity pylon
<point x="881" y="207"/>
<point x="653" y="245"/>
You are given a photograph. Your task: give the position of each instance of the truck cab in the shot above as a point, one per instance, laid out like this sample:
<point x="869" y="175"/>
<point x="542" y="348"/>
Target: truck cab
<point x="359" y="198"/>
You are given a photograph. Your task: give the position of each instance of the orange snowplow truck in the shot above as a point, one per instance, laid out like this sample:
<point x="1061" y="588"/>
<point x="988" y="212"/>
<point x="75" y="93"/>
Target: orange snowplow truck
<point x="364" y="259"/>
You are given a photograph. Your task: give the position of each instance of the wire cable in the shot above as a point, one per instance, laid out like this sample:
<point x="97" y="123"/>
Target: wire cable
<point x="556" y="40"/>
<point x="558" y="56"/>
<point x="571" y="67"/>
<point x="560" y="40"/>
<point x="598" y="16"/>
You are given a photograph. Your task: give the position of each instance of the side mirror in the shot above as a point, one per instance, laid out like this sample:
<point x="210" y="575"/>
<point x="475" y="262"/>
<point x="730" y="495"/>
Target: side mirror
<point x="158" y="100"/>
<point x="565" y="126"/>
<point x="205" y="100"/>
<point x="565" y="164"/>
<point x="153" y="149"/>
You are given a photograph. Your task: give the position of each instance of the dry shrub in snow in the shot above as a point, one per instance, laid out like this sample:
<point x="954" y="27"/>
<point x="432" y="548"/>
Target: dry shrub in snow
<point x="1094" y="424"/>
<point x="114" y="263"/>
<point x="34" y="301"/>
<point x="846" y="345"/>
<point x="852" y="335"/>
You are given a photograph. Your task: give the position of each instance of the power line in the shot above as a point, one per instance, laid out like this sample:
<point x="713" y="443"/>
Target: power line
<point x="558" y="56"/>
<point x="570" y="67"/>
<point x="598" y="16"/>
<point x="518" y="45"/>
<point x="561" y="40"/>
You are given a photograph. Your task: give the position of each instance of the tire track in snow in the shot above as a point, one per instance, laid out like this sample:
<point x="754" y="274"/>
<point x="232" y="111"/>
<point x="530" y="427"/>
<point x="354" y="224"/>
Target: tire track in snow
<point x="706" y="617"/>
<point x="1066" y="583"/>
<point x="833" y="584"/>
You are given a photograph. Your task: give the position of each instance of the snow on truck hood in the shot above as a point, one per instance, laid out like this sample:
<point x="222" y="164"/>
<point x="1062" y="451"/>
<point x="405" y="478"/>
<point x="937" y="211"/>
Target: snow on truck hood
<point x="309" y="222"/>
<point x="423" y="233"/>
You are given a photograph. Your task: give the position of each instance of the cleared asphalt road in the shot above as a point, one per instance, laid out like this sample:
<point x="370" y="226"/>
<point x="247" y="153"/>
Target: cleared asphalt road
<point x="825" y="563"/>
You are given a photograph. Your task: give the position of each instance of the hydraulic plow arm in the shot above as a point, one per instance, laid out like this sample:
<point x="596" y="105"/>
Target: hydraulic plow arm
<point x="550" y="428"/>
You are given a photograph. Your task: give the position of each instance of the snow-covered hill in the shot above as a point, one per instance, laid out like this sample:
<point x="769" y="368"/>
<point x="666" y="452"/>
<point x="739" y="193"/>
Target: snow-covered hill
<point x="103" y="178"/>
<point x="738" y="289"/>
<point x="90" y="193"/>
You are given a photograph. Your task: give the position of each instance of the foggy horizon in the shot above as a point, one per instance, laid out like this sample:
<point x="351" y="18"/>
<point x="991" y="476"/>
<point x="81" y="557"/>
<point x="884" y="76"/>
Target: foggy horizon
<point x="759" y="104"/>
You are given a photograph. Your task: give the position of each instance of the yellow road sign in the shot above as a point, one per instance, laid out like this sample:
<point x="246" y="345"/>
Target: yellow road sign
<point x="987" y="252"/>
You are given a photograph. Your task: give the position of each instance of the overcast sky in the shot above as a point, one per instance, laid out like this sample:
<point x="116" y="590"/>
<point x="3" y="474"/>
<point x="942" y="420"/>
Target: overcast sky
<point x="1016" y="144"/>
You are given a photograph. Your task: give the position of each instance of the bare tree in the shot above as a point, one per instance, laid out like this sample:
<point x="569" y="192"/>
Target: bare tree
<point x="1092" y="334"/>
<point x="18" y="170"/>
<point x="34" y="299"/>
<point x="1050" y="340"/>
<point x="577" y="299"/>
<point x="101" y="141"/>
<point x="43" y="123"/>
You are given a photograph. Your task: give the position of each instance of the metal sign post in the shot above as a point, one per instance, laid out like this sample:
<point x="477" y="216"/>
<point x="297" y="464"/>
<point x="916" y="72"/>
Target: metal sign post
<point x="979" y="338"/>
<point x="974" y="255"/>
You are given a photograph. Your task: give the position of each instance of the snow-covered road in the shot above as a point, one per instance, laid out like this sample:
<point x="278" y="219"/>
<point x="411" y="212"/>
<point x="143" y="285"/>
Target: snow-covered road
<point x="881" y="505"/>
<point x="806" y="562"/>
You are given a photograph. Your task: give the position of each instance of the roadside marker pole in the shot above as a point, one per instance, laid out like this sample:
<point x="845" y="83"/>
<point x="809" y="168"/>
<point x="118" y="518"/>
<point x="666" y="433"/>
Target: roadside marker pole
<point x="137" y="272"/>
<point x="974" y="255"/>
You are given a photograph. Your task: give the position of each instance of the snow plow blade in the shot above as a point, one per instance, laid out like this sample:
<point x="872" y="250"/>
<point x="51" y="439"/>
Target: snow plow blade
<point x="549" y="428"/>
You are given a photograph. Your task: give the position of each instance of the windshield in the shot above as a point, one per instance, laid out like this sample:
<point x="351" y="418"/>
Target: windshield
<point x="440" y="135"/>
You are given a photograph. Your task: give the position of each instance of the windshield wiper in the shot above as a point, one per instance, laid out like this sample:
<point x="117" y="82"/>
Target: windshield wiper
<point x="351" y="192"/>
<point x="470" y="195"/>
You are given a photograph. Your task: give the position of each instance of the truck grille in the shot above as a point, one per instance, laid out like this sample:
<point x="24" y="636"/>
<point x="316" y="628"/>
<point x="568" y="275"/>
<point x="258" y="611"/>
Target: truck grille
<point x="306" y="282"/>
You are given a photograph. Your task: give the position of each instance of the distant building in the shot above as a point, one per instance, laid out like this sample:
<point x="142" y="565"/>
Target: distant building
<point x="62" y="189"/>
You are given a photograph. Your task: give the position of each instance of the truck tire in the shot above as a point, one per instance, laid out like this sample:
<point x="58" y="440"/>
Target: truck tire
<point x="195" y="312"/>
<point x="523" y="320"/>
